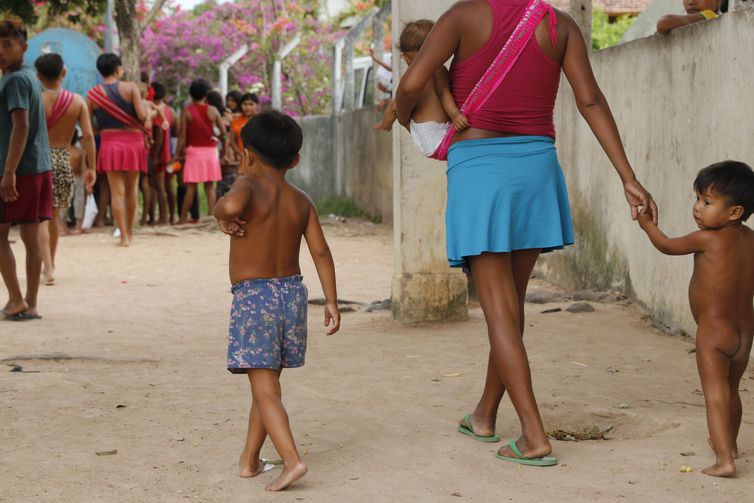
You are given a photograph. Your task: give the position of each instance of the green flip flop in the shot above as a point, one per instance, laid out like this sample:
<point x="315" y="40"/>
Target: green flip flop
<point x="466" y="430"/>
<point x="523" y="460"/>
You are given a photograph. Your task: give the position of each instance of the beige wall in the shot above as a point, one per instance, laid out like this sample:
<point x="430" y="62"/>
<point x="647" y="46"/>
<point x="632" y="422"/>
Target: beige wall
<point x="343" y="156"/>
<point x="424" y="287"/>
<point x="681" y="101"/>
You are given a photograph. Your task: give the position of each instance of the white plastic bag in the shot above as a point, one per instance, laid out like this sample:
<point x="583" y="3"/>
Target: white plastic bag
<point x="90" y="212"/>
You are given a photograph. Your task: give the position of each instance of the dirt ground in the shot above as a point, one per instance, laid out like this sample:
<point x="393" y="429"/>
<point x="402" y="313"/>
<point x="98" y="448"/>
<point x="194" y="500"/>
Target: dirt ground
<point x="130" y="356"/>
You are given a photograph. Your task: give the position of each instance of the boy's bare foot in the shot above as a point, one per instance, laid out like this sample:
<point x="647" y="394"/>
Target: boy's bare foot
<point x="725" y="469"/>
<point x="247" y="469"/>
<point x="288" y="477"/>
<point x="480" y="427"/>
<point x="531" y="452"/>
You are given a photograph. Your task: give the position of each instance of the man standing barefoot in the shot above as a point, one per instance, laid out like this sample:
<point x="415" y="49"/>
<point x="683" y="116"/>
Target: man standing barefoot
<point x="26" y="181"/>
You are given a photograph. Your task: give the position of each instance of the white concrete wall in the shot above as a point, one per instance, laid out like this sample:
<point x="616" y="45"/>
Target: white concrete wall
<point x="681" y="101"/>
<point x="424" y="287"/>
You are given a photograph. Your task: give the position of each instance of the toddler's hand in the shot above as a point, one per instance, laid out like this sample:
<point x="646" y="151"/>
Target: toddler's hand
<point x="381" y="127"/>
<point x="460" y="122"/>
<point x="645" y="219"/>
<point x="332" y="318"/>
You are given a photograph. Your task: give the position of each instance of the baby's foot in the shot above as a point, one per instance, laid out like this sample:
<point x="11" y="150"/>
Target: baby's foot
<point x="248" y="468"/>
<point x="480" y="427"/>
<point x="724" y="469"/>
<point x="288" y="477"/>
<point x="531" y="452"/>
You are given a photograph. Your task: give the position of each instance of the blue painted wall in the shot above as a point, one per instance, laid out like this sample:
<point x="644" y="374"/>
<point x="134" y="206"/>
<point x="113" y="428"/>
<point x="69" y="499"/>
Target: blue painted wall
<point x="79" y="54"/>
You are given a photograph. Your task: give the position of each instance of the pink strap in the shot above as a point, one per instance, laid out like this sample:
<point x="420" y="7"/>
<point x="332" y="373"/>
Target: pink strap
<point x="59" y="108"/>
<point x="97" y="96"/>
<point x="504" y="62"/>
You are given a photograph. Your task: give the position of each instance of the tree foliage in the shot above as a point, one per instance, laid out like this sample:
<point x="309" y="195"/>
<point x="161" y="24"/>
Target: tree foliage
<point x="191" y="45"/>
<point x="29" y="10"/>
<point x="605" y="33"/>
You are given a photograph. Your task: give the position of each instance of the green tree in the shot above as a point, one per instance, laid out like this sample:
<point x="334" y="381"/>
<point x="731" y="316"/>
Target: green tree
<point x="28" y="10"/>
<point x="605" y="33"/>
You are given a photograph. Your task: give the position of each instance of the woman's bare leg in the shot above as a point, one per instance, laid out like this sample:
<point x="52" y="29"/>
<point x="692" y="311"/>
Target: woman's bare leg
<point x="209" y="191"/>
<point x="162" y="197"/>
<point x="132" y="200"/>
<point x="485" y="415"/>
<point x="188" y="200"/>
<point x="117" y="183"/>
<point x="170" y="191"/>
<point x="265" y="387"/>
<point x="493" y="276"/>
<point x="146" y="198"/>
<point x="103" y="200"/>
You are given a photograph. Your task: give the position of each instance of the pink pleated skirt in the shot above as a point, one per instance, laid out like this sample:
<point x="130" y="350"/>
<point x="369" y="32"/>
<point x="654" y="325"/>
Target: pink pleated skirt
<point x="122" y="151"/>
<point x="202" y="165"/>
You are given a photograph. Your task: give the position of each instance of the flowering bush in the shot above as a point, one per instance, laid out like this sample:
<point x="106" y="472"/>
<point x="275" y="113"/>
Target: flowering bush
<point x="189" y="45"/>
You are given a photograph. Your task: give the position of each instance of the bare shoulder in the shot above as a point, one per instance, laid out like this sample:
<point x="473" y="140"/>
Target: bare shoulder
<point x="565" y="22"/>
<point x="302" y="199"/>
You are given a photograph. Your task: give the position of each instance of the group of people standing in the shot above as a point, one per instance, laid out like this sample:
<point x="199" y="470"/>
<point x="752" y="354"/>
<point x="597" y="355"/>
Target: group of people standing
<point x="55" y="143"/>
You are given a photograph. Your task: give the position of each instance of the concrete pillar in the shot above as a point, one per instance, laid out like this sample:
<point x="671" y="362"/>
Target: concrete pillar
<point x="424" y="287"/>
<point x="581" y="12"/>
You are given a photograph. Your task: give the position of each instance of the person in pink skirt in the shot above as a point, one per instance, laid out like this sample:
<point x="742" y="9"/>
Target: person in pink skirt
<point x="121" y="115"/>
<point x="197" y="146"/>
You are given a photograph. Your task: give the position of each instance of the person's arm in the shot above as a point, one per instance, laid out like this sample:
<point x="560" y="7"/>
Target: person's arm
<point x="691" y="243"/>
<point x="380" y="62"/>
<point x="673" y="21"/>
<point x="388" y="118"/>
<point x="594" y="108"/>
<point x="181" y="146"/>
<point x="323" y="262"/>
<point x="87" y="141"/>
<point x="439" y="46"/>
<point x="140" y="106"/>
<point x="231" y="206"/>
<point x="218" y="120"/>
<point x="441" y="80"/>
<point x="18" y="136"/>
<point x="157" y="142"/>
<point x="92" y="118"/>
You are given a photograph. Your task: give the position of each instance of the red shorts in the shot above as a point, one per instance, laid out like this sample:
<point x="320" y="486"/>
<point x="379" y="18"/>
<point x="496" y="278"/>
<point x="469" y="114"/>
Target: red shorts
<point x="34" y="203"/>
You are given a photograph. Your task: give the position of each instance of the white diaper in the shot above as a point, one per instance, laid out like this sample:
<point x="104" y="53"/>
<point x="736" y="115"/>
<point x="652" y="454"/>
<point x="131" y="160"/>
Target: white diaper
<point x="428" y="135"/>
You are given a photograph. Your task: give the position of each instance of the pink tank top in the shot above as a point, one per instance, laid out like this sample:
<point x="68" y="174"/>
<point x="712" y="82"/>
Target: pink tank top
<point x="524" y="102"/>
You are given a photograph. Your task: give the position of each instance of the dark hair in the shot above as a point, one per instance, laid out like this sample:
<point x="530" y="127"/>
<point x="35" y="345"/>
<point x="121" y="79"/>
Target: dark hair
<point x="76" y="136"/>
<point x="159" y="90"/>
<point x="414" y="34"/>
<point x="199" y="89"/>
<point x="49" y="66"/>
<point x="11" y="28"/>
<point x="233" y="95"/>
<point x="215" y="99"/>
<point x="275" y="137"/>
<point x="732" y="179"/>
<point x="144" y="77"/>
<point x="249" y="97"/>
<point x="108" y="63"/>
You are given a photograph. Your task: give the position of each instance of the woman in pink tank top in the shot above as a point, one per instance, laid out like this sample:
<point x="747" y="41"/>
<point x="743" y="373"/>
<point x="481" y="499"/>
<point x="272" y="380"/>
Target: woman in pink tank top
<point x="507" y="200"/>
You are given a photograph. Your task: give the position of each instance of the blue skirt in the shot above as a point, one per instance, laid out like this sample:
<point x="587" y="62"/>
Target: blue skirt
<point x="505" y="194"/>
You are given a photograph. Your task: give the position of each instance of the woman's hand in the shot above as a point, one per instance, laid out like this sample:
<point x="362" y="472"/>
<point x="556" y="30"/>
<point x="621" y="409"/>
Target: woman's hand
<point x="639" y="200"/>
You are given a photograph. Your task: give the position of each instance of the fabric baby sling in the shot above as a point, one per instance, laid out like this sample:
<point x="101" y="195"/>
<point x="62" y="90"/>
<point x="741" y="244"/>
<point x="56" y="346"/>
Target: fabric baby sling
<point x="59" y="108"/>
<point x="98" y="96"/>
<point x="505" y="60"/>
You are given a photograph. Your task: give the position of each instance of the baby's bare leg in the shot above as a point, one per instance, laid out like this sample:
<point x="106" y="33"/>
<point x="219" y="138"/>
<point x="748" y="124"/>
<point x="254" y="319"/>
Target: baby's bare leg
<point x="265" y="387"/>
<point x="714" y="370"/>
<point x="738" y="366"/>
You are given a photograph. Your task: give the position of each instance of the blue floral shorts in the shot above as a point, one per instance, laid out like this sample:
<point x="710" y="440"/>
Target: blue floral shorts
<point x="267" y="324"/>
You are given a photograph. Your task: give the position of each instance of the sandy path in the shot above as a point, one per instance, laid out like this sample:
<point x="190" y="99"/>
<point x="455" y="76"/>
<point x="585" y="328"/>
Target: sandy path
<point x="146" y="328"/>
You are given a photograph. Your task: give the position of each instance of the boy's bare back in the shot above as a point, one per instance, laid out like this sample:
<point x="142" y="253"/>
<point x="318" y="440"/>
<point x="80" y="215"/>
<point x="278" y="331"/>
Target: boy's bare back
<point x="277" y="215"/>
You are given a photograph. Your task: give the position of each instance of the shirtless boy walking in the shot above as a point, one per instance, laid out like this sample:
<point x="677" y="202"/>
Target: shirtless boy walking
<point x="266" y="218"/>
<point x="720" y="294"/>
<point x="63" y="111"/>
